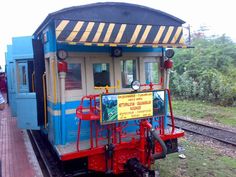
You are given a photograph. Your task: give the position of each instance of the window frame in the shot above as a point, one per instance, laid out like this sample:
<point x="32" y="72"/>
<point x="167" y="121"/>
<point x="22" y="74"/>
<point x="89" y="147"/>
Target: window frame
<point x="76" y="94"/>
<point x="22" y="88"/>
<point x="134" y="63"/>
<point x="149" y="59"/>
<point x="75" y="88"/>
<point x="108" y="67"/>
<point x="158" y="77"/>
<point x="117" y="71"/>
<point x="89" y="61"/>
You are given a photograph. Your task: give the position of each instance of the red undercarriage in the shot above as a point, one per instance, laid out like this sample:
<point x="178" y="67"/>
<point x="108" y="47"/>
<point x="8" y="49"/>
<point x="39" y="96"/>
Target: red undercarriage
<point x="121" y="146"/>
<point x="123" y="151"/>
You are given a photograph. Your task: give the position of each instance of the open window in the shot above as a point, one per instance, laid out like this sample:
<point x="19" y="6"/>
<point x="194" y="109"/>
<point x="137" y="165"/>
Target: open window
<point x="101" y="74"/>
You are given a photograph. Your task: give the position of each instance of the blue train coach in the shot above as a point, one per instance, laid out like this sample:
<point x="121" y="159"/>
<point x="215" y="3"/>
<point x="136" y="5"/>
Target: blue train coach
<point x="101" y="85"/>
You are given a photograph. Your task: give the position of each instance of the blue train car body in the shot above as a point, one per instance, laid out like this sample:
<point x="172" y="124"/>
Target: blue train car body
<point x="19" y="66"/>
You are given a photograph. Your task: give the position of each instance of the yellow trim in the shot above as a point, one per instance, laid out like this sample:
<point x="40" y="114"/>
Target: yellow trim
<point x="32" y="80"/>
<point x="72" y="43"/>
<point x="118" y="84"/>
<point x="145" y="34"/>
<point x="100" y="44"/>
<point x="44" y="100"/>
<point x="154" y="46"/>
<point x="113" y="45"/>
<point x="135" y="34"/>
<point x="99" y="32"/>
<point x="120" y="33"/>
<point x="176" y="36"/>
<point x="75" y="31"/>
<point x="87" y="32"/>
<point x="159" y="34"/>
<point x="61" y="26"/>
<point x="109" y="31"/>
<point x="87" y="43"/>
<point x="54" y="82"/>
<point x="129" y="45"/>
<point x="181" y="40"/>
<point x="139" y="45"/>
<point x="168" y="34"/>
<point x="109" y="87"/>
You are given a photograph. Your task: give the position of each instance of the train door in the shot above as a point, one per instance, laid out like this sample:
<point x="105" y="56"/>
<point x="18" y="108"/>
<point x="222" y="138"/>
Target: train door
<point x="126" y="70"/>
<point x="99" y="73"/>
<point x="25" y="70"/>
<point x="26" y="98"/>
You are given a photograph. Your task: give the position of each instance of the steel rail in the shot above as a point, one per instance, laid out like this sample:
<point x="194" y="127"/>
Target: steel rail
<point x="40" y="155"/>
<point x="199" y="130"/>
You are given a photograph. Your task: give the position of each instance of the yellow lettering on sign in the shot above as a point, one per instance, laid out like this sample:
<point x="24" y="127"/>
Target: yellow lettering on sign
<point x="138" y="105"/>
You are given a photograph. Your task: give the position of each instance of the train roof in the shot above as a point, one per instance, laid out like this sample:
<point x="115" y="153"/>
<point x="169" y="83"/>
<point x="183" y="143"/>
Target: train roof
<point x="134" y="17"/>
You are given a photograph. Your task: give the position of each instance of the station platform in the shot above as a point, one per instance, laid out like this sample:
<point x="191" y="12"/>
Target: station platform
<point x="17" y="158"/>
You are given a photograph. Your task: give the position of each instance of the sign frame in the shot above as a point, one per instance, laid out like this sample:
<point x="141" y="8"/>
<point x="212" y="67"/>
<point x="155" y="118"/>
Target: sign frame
<point x="102" y="122"/>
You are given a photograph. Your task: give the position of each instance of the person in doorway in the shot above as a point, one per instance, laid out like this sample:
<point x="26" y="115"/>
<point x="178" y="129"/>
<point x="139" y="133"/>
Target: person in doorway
<point x="2" y="102"/>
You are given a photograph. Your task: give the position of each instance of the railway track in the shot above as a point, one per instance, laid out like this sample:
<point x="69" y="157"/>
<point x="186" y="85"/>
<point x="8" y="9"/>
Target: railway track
<point x="220" y="134"/>
<point x="51" y="165"/>
<point x="48" y="163"/>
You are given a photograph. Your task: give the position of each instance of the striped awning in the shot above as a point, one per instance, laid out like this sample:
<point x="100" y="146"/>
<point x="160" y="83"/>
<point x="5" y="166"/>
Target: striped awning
<point x="117" y="34"/>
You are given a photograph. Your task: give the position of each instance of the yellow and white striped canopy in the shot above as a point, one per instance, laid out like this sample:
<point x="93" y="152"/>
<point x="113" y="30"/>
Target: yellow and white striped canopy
<point x="117" y="34"/>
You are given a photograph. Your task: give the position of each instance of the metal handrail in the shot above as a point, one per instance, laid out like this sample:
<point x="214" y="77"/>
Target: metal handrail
<point x="171" y="111"/>
<point x="44" y="99"/>
<point x="33" y="75"/>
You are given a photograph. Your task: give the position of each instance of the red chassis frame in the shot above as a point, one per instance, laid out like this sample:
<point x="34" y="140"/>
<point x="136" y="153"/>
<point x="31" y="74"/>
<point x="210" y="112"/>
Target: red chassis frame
<point x="137" y="146"/>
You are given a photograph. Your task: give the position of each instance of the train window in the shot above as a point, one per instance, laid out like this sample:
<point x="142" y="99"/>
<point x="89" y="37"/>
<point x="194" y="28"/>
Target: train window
<point x="22" y="77"/>
<point x="73" y="78"/>
<point x="151" y="72"/>
<point x="101" y="74"/>
<point x="128" y="72"/>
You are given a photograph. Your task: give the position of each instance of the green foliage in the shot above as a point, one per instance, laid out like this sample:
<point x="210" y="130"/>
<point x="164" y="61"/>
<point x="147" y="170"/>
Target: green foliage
<point x="206" y="72"/>
<point x="201" y="161"/>
<point x="202" y="110"/>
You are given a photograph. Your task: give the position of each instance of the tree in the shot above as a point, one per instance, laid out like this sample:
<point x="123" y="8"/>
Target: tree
<point x="206" y="72"/>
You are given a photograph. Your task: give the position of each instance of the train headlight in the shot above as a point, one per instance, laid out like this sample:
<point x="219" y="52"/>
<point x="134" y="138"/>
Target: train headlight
<point x="135" y="85"/>
<point x="169" y="53"/>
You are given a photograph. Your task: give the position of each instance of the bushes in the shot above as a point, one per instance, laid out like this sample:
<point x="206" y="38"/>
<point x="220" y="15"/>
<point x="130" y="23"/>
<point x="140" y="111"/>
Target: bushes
<point x="207" y="72"/>
<point x="210" y="86"/>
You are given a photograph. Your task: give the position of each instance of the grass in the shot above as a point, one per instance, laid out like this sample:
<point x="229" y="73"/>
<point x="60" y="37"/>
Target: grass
<point x="200" y="162"/>
<point x="205" y="111"/>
